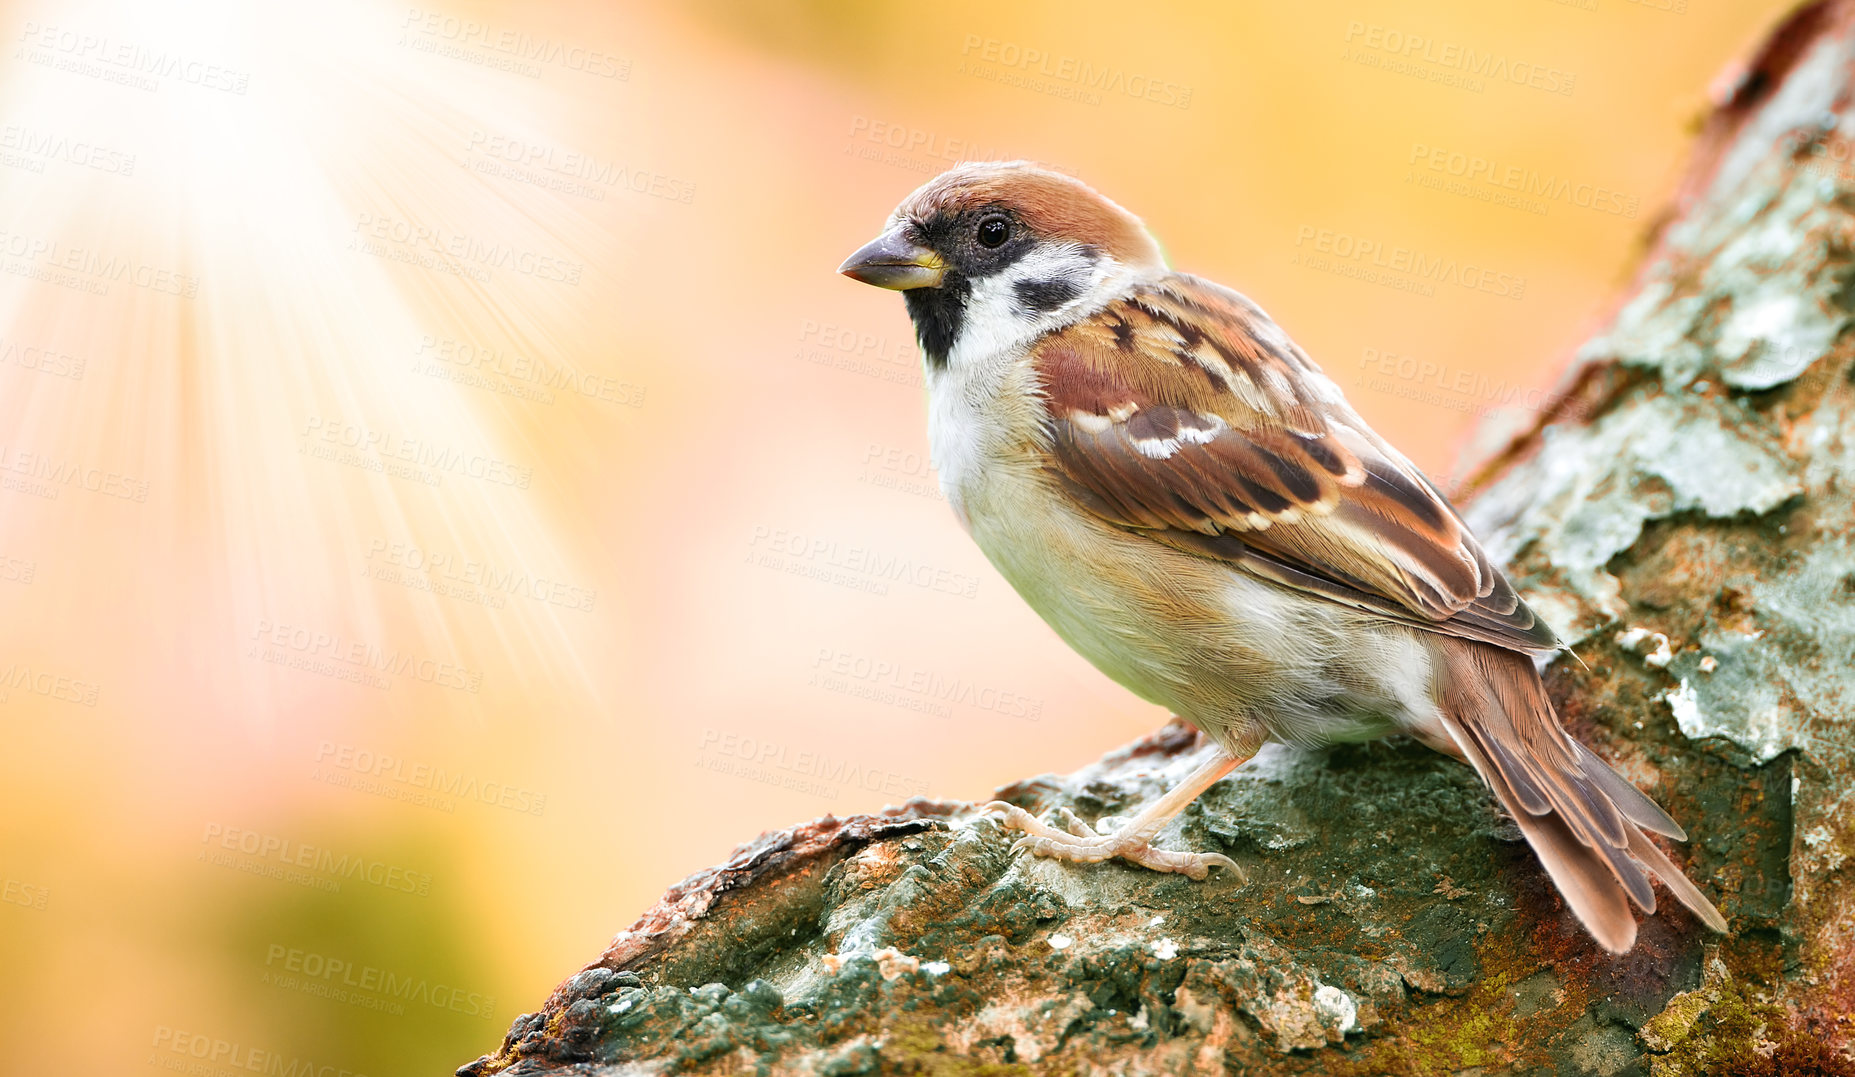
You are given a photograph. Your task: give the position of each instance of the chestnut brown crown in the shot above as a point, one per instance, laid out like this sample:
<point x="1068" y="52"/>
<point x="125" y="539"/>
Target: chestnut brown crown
<point x="1051" y="205"/>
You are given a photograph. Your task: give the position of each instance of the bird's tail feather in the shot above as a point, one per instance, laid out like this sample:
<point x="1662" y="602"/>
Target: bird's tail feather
<point x="1582" y="818"/>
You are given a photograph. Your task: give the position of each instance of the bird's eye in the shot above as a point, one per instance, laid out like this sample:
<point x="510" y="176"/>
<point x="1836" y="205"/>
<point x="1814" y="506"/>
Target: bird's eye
<point x="994" y="231"/>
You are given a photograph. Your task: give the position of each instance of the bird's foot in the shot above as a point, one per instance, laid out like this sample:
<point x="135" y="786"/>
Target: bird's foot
<point x="1081" y="844"/>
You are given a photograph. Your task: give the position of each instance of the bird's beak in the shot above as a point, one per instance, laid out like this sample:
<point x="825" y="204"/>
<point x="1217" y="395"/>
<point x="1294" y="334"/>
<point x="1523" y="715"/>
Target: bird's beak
<point x="894" y="261"/>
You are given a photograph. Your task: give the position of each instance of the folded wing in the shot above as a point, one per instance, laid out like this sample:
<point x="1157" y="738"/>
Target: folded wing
<point x="1182" y="412"/>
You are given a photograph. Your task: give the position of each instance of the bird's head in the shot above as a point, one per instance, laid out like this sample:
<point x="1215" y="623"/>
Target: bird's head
<point x="1001" y="252"/>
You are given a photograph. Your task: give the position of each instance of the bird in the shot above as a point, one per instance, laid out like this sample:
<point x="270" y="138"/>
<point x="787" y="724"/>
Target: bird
<point x="1176" y="488"/>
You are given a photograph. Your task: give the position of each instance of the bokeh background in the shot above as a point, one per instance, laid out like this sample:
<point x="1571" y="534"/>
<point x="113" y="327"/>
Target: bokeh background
<point x="446" y="495"/>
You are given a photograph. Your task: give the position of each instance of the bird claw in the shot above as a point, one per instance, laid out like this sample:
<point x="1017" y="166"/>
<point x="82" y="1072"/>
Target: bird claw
<point x="1191" y="865"/>
<point x="1075" y="825"/>
<point x="1080" y="843"/>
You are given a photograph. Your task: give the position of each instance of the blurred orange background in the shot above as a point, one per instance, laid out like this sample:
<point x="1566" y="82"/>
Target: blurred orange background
<point x="446" y="495"/>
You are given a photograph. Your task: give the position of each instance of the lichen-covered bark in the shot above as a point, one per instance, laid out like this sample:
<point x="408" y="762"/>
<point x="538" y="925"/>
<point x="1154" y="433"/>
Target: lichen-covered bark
<point x="1686" y="515"/>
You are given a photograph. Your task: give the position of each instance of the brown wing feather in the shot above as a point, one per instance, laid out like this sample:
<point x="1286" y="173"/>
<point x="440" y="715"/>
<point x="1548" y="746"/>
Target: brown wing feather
<point x="1582" y="819"/>
<point x="1181" y="411"/>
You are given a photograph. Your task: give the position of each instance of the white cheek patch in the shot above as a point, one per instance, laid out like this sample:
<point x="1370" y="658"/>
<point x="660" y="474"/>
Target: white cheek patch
<point x="1047" y="288"/>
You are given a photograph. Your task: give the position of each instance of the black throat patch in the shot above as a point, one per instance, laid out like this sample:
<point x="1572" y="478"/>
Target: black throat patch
<point x="938" y="314"/>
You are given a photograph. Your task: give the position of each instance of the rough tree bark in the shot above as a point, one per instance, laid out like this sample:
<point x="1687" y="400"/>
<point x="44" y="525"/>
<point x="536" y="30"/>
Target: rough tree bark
<point x="1684" y="514"/>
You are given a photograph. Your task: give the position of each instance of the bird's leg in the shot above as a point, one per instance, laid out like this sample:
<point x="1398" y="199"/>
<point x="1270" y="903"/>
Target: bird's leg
<point x="1133" y="840"/>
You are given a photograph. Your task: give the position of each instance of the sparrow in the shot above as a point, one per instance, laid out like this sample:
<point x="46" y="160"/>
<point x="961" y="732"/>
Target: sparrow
<point x="1193" y="506"/>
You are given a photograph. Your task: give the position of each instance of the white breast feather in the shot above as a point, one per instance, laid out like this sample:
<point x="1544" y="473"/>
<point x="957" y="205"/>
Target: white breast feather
<point x="1096" y="586"/>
